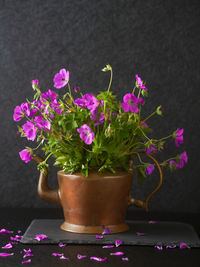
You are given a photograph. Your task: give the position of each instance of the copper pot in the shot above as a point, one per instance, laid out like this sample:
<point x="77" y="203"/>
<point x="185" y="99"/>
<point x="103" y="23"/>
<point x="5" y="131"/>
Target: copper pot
<point x="92" y="203"/>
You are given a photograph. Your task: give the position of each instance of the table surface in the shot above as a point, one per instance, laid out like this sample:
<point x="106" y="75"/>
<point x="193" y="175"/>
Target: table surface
<point x="19" y="219"/>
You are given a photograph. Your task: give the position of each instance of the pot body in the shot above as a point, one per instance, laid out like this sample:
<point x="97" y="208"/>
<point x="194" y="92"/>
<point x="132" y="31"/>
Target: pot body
<point x="92" y="203"/>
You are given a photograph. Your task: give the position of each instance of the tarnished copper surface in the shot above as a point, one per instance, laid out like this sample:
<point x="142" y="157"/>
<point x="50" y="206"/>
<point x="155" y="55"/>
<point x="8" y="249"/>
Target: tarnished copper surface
<point x="93" y="202"/>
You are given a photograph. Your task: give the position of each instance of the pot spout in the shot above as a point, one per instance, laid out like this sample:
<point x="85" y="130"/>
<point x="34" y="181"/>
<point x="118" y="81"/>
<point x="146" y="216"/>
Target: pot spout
<point x="44" y="192"/>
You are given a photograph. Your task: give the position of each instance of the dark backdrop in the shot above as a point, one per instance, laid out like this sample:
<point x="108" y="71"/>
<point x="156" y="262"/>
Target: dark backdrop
<point x="159" y="40"/>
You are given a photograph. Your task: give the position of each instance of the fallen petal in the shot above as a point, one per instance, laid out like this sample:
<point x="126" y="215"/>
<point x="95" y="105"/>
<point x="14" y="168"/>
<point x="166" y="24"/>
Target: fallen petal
<point x="118" y="242"/>
<point x="28" y="255"/>
<point x="118" y="253"/>
<point x="125" y="259"/>
<point x="40" y="237"/>
<point x="27" y="250"/>
<point x="25" y="262"/>
<point x="62" y="245"/>
<point x="57" y="254"/>
<point x="64" y="258"/>
<point x="159" y="247"/>
<point x="139" y="234"/>
<point x="108" y="246"/>
<point x="79" y="256"/>
<point x="9" y="245"/>
<point x="19" y="231"/>
<point x="171" y="246"/>
<point x="99" y="237"/>
<point x="4" y="231"/>
<point x="6" y="254"/>
<point x="183" y="245"/>
<point x="16" y="238"/>
<point x="153" y="222"/>
<point x="106" y="231"/>
<point x="98" y="259"/>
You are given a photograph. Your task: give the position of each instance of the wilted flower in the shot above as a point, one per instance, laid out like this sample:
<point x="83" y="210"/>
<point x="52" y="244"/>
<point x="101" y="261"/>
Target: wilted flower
<point x="149" y="169"/>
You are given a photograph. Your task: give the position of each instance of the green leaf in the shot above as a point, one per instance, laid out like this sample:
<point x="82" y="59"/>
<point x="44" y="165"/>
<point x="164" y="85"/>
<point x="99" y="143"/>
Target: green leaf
<point x="141" y="173"/>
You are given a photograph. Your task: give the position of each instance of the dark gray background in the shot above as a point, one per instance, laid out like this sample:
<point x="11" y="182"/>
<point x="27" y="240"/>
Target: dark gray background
<point x="159" y="40"/>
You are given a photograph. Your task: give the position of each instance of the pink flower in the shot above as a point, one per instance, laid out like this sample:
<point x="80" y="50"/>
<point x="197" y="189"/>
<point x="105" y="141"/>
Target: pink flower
<point x="140" y="83"/>
<point x="118" y="242"/>
<point x="149" y="169"/>
<point x="87" y="101"/>
<point x="179" y="137"/>
<point x="29" y="130"/>
<point x="25" y="155"/>
<point x="20" y="111"/>
<point x="76" y="89"/>
<point x="150" y="149"/>
<point x="86" y="134"/>
<point x="172" y="165"/>
<point x="182" y="160"/>
<point x="61" y="78"/>
<point x="42" y="124"/>
<point x="130" y="103"/>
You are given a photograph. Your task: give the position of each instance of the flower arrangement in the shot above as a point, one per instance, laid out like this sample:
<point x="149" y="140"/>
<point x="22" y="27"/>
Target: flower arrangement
<point x="92" y="131"/>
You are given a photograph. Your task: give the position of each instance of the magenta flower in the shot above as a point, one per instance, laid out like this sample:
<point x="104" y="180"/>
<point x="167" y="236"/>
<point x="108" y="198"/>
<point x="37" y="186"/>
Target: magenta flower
<point x="87" y="101"/>
<point x="140" y="83"/>
<point x="86" y="134"/>
<point x="61" y="78"/>
<point x="97" y="117"/>
<point x="20" y="111"/>
<point x="149" y="169"/>
<point x="25" y="155"/>
<point x="179" y="137"/>
<point x="183" y="245"/>
<point x="76" y="89"/>
<point x="182" y="160"/>
<point x="49" y="95"/>
<point x="150" y="149"/>
<point x="130" y="103"/>
<point x="42" y="124"/>
<point x="172" y="164"/>
<point x="29" y="130"/>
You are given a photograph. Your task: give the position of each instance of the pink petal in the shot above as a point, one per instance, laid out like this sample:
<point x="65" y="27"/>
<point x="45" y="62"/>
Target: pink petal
<point x="79" y="256"/>
<point x="16" y="238"/>
<point x="169" y="246"/>
<point x="118" y="242"/>
<point x="106" y="231"/>
<point x="28" y="254"/>
<point x="99" y="237"/>
<point x="6" y="254"/>
<point x="40" y="237"/>
<point x="62" y="245"/>
<point x="55" y="254"/>
<point x="64" y="258"/>
<point x="183" y="245"/>
<point x="19" y="231"/>
<point x="7" y="246"/>
<point x="153" y="222"/>
<point x="98" y="259"/>
<point x="159" y="247"/>
<point x="139" y="234"/>
<point x="4" y="231"/>
<point x="108" y="246"/>
<point x="25" y="262"/>
<point x="27" y="250"/>
<point x="118" y="253"/>
<point x="125" y="259"/>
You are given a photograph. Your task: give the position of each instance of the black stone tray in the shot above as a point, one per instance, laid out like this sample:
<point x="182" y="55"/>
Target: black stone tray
<point x="161" y="233"/>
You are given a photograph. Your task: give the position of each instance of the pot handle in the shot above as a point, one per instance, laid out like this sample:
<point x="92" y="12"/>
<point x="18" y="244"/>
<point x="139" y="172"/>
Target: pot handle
<point x="138" y="202"/>
<point x="44" y="192"/>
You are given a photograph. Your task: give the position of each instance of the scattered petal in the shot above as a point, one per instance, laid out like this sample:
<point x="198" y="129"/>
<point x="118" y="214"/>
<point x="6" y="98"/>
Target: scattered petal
<point x="139" y="234"/>
<point x="118" y="253"/>
<point x="171" y="246"/>
<point x="16" y="238"/>
<point x="27" y="261"/>
<point x="99" y="237"/>
<point x="8" y="246"/>
<point x="109" y="246"/>
<point x="183" y="245"/>
<point x="118" y="242"/>
<point x="125" y="259"/>
<point x="153" y="222"/>
<point x="62" y="245"/>
<point x="6" y="254"/>
<point x="27" y="250"/>
<point x="106" y="231"/>
<point x="40" y="237"/>
<point x="79" y="256"/>
<point x="19" y="231"/>
<point x="55" y="254"/>
<point x="28" y="254"/>
<point x="98" y="259"/>
<point x="4" y="231"/>
<point x="64" y="258"/>
<point x="159" y="247"/>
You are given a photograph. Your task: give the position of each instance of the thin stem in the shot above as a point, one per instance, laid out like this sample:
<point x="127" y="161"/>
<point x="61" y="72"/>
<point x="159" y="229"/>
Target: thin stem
<point x="42" y="141"/>
<point x="48" y="157"/>
<point x="111" y="76"/>
<point x="165" y="137"/>
<point x="134" y="89"/>
<point x="149" y="116"/>
<point x="140" y="158"/>
<point x="139" y="93"/>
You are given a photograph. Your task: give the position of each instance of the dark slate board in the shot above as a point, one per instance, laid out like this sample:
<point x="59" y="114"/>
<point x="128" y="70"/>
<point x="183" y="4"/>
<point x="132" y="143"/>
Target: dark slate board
<point x="161" y="233"/>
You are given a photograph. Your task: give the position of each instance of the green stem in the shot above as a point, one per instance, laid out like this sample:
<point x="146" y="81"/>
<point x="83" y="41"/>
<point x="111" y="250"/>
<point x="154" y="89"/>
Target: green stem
<point x="111" y="76"/>
<point x="165" y="137"/>
<point x="145" y="135"/>
<point x="38" y="145"/>
<point x="142" y="162"/>
<point x="149" y="116"/>
<point x="134" y="89"/>
<point x="48" y="157"/>
<point x="139" y="93"/>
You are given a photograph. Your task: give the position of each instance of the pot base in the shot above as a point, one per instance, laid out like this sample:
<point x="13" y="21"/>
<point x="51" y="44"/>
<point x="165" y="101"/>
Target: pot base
<point x="97" y="229"/>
